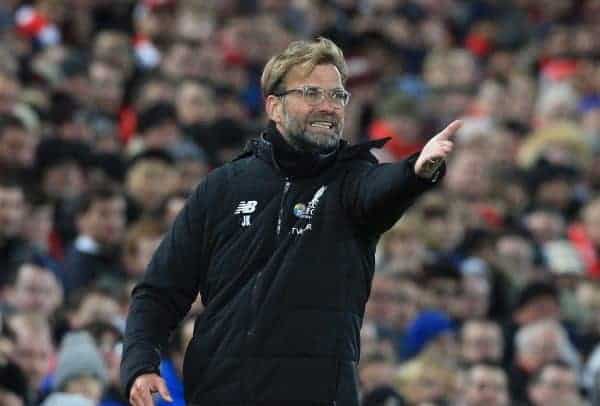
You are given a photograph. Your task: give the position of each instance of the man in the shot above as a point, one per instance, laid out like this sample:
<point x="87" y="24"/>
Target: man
<point x="484" y="385"/>
<point x="481" y="340"/>
<point x="554" y="384"/>
<point x="33" y="350"/>
<point x="280" y="243"/>
<point x="537" y="300"/>
<point x="17" y="143"/>
<point x="536" y="344"/>
<point x="13" y="248"/>
<point x="94" y="255"/>
<point x="158" y="129"/>
<point x="35" y="289"/>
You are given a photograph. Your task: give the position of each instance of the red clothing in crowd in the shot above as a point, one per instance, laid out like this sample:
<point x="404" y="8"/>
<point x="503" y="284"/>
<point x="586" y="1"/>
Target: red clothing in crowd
<point x="586" y="248"/>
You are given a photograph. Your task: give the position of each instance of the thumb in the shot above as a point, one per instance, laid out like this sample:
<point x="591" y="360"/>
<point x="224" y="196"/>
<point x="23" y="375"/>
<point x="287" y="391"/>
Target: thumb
<point x="161" y="386"/>
<point x="450" y="130"/>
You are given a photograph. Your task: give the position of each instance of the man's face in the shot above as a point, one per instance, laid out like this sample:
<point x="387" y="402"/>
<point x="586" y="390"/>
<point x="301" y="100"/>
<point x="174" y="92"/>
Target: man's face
<point x="448" y="296"/>
<point x="105" y="221"/>
<point x="481" y="341"/>
<point x="17" y="148"/>
<point x="468" y="175"/>
<point x="195" y="103"/>
<point x="149" y="182"/>
<point x="556" y="386"/>
<point x="543" y="348"/>
<point x="33" y="353"/>
<point x="476" y="293"/>
<point x="12" y="210"/>
<point x="486" y="386"/>
<point x="65" y="180"/>
<point x="304" y="124"/>
<point x="37" y="289"/>
<point x="392" y="304"/>
<point x="545" y="225"/>
<point x="515" y="252"/>
<point x="107" y="87"/>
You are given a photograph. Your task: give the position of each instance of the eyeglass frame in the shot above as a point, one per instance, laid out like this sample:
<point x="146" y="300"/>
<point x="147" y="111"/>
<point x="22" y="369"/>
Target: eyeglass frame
<point x="326" y="93"/>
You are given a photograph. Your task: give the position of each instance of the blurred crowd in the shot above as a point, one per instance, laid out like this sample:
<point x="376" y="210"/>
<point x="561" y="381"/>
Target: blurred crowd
<point x="486" y="293"/>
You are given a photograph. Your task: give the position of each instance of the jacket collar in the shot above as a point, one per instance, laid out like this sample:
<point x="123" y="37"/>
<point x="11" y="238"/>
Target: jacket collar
<point x="264" y="149"/>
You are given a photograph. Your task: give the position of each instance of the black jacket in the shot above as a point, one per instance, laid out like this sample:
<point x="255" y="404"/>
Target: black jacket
<point x="284" y="265"/>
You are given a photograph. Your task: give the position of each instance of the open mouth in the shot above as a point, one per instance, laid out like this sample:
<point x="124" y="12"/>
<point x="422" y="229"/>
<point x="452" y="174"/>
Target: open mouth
<point x="323" y="124"/>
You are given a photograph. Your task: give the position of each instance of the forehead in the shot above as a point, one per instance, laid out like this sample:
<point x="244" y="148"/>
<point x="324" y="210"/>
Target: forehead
<point x="325" y="75"/>
<point x="191" y="89"/>
<point x="555" y="372"/>
<point x="475" y="328"/>
<point x="484" y="373"/>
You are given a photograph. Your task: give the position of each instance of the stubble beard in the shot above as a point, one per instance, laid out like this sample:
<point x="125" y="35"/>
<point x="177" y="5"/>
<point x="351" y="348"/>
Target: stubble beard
<point x="300" y="136"/>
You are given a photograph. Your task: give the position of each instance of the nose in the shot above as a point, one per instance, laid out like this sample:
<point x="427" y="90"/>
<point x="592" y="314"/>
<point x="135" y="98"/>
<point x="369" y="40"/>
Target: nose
<point x="332" y="105"/>
<point x="328" y="107"/>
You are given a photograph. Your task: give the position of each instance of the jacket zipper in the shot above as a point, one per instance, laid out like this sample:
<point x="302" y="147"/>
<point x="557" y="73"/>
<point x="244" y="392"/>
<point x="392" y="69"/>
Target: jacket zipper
<point x="254" y="294"/>
<point x="286" y="187"/>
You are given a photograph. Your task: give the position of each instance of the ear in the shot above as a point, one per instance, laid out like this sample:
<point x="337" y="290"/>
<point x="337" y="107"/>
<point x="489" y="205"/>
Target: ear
<point x="274" y="108"/>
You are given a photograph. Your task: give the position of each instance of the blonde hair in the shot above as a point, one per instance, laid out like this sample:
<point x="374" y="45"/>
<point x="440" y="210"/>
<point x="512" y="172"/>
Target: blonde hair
<point x="410" y="375"/>
<point x="306" y="54"/>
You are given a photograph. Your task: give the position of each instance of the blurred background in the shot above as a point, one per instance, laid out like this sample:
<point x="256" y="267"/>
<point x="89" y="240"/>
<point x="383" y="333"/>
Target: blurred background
<point x="485" y="293"/>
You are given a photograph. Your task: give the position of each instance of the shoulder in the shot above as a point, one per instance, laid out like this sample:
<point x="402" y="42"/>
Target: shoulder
<point x="362" y="152"/>
<point x="241" y="168"/>
<point x="227" y="178"/>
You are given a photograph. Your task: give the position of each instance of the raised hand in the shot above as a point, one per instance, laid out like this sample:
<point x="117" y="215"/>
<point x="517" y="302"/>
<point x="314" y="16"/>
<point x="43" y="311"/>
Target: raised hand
<point x="436" y="150"/>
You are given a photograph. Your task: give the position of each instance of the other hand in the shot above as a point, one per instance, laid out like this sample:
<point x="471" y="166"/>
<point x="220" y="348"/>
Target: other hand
<point x="145" y="386"/>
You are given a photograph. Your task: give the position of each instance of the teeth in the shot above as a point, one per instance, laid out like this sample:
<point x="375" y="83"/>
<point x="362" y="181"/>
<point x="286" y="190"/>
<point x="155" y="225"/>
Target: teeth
<point x="323" y="124"/>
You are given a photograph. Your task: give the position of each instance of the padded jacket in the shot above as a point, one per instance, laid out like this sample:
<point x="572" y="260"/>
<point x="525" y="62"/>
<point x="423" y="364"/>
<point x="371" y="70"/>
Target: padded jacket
<point x="284" y="266"/>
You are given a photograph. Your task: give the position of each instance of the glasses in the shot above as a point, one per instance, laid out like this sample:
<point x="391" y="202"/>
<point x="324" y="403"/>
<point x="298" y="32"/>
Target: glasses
<point x="314" y="95"/>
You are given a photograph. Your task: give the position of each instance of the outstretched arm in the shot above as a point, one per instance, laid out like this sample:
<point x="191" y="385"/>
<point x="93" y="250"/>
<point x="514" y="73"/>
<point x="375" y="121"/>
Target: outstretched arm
<point x="380" y="194"/>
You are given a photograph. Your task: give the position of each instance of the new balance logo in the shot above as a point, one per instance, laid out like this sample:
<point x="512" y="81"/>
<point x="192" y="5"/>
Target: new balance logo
<point x="246" y="207"/>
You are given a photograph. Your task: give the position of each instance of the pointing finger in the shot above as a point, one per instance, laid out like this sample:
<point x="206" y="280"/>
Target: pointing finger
<point x="448" y="132"/>
<point x="164" y="392"/>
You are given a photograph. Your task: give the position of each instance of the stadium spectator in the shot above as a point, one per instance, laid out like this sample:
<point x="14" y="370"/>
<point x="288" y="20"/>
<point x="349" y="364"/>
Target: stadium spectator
<point x="96" y="251"/>
<point x="554" y="384"/>
<point x="484" y="384"/>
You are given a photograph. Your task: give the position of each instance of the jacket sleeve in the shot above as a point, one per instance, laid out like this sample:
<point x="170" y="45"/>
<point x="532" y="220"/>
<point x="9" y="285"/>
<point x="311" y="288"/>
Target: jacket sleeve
<point x="170" y="285"/>
<point x="377" y="195"/>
